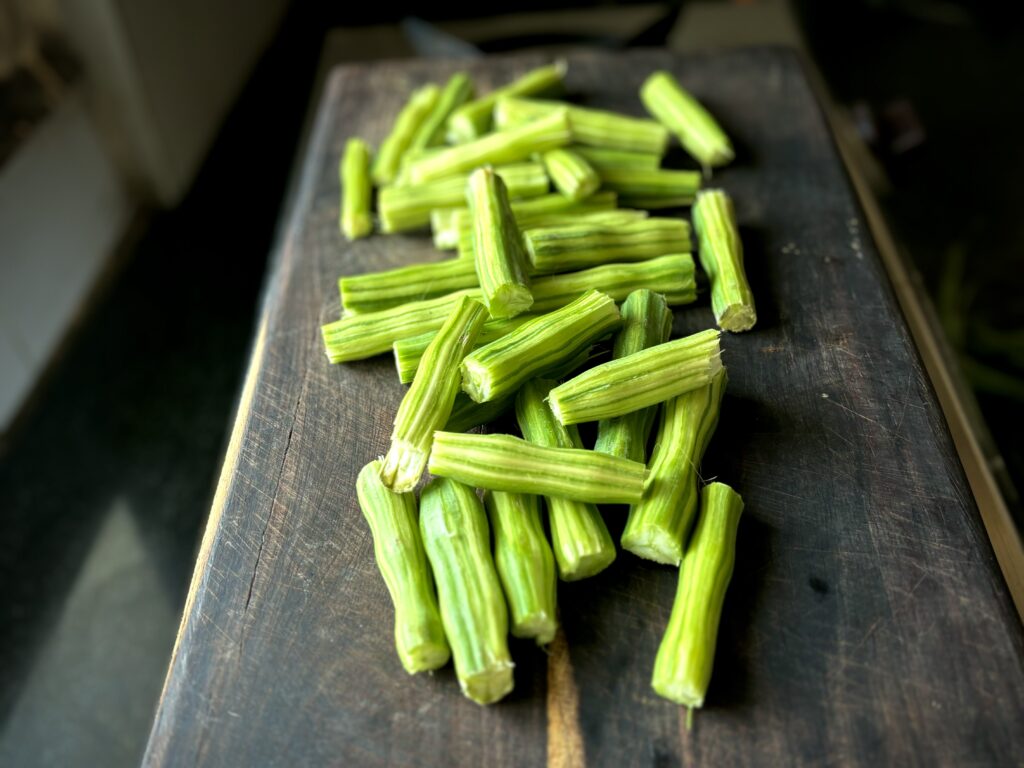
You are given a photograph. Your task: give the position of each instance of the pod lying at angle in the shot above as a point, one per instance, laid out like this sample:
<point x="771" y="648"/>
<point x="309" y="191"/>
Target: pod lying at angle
<point x="696" y="129"/>
<point x="721" y="255"/>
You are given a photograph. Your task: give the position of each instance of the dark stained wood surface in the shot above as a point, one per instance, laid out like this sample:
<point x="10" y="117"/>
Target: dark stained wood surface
<point x="867" y="622"/>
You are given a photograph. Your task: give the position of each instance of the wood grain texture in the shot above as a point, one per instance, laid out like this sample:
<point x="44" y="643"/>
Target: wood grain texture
<point x="867" y="622"/>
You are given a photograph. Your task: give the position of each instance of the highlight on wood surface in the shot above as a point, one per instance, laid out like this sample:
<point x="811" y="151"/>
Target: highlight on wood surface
<point x="682" y="668"/>
<point x="472" y="120"/>
<point x="507" y="463"/>
<point x="659" y="523"/>
<point x="457" y="541"/>
<point x="414" y="113"/>
<point x="721" y="255"/>
<point x="637" y="381"/>
<point x="576" y="246"/>
<point x="498" y="251"/>
<point x="582" y="544"/>
<point x="356" y="190"/>
<point x="687" y="118"/>
<point x="428" y="402"/>
<point x="495" y="148"/>
<point x="533" y="349"/>
<point x="398" y="549"/>
<point x="525" y="564"/>
<point x="646" y="322"/>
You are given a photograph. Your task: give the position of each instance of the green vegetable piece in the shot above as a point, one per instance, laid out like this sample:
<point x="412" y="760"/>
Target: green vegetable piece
<point x="591" y="127"/>
<point x="408" y="208"/>
<point x="409" y="352"/>
<point x="562" y="249"/>
<point x="355" y="337"/>
<point x="444" y="227"/>
<point x="696" y="129"/>
<point x="583" y="547"/>
<point x="671" y="276"/>
<point x="501" y="367"/>
<point x="651" y="189"/>
<point x="472" y="120"/>
<point x="721" y="255"/>
<point x="428" y="402"/>
<point x="375" y="291"/>
<point x="356" y="190"/>
<point x="658" y="524"/>
<point x="457" y="91"/>
<point x="602" y="158"/>
<point x="419" y="636"/>
<point x="646" y="322"/>
<point x="496" y="148"/>
<point x="682" y="668"/>
<point x="499" y="253"/>
<point x="525" y="564"/>
<point x="506" y="463"/>
<point x="458" y="545"/>
<point x="639" y="380"/>
<point x="412" y="116"/>
<point x="573" y="176"/>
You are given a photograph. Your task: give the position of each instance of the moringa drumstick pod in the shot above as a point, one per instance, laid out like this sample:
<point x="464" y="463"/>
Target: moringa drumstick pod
<point x="696" y="129"/>
<point x="409" y="120"/>
<point x="721" y="255"/>
<point x="573" y="176"/>
<point x="356" y="190"/>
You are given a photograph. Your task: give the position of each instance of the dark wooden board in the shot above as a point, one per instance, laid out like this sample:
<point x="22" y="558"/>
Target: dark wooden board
<point x="867" y="621"/>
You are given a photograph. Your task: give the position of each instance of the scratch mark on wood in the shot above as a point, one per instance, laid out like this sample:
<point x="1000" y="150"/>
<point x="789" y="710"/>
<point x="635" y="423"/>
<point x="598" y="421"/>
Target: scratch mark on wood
<point x="565" y="742"/>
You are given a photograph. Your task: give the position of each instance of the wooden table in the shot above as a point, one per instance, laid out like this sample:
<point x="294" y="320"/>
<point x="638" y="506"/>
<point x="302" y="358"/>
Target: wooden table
<point x="867" y="621"/>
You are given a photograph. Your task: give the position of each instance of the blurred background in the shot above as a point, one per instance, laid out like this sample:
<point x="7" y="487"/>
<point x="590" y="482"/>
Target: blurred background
<point x="146" y="151"/>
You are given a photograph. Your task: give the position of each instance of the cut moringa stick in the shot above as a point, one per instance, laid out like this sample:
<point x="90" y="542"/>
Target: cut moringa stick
<point x="501" y="367"/>
<point x="563" y="249"/>
<point x="415" y="111"/>
<point x="525" y="564"/>
<point x="357" y="336"/>
<point x="356" y="190"/>
<point x="658" y="524"/>
<point x="646" y="322"/>
<point x="444" y="227"/>
<point x="591" y="127"/>
<point x="407" y="208"/>
<point x="503" y="147"/>
<point x="573" y="176"/>
<point x="506" y="463"/>
<point x="472" y="120"/>
<point x="499" y="253"/>
<point x="457" y="91"/>
<point x="583" y="547"/>
<point x="602" y="158"/>
<point x="409" y="351"/>
<point x="644" y="378"/>
<point x="721" y="255"/>
<point x="652" y="189"/>
<point x="671" y="276"/>
<point x="375" y="291"/>
<point x="419" y="636"/>
<point x="428" y="402"/>
<point x="682" y="668"/>
<point x="696" y="129"/>
<point x="458" y="544"/>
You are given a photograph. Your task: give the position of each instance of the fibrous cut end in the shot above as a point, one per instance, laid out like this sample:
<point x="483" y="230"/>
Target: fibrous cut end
<point x="737" y="318"/>
<point x="587" y="565"/>
<point x="509" y="300"/>
<point x="403" y="466"/>
<point x="476" y="381"/>
<point x="680" y="693"/>
<point x="540" y="626"/>
<point x="656" y="545"/>
<point x="425" y="657"/>
<point x="489" y="685"/>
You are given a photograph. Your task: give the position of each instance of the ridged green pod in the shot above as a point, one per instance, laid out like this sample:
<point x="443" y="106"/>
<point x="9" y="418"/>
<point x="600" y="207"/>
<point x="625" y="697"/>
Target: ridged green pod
<point x="457" y="541"/>
<point x="419" y="635"/>
<point x="637" y="381"/>
<point x="657" y="525"/>
<point x="577" y="246"/>
<point x="525" y="564"/>
<point x="456" y="92"/>
<point x="583" y="547"/>
<point x="721" y="255"/>
<point x="646" y="322"/>
<point x="499" y="253"/>
<point x="356" y="190"/>
<point x="546" y="342"/>
<point x="696" y="129"/>
<point x="651" y="189"/>
<point x="686" y="656"/>
<point x="428" y="402"/>
<point x="414" y="113"/>
<point x="602" y="158"/>
<point x="375" y="291"/>
<point x="506" y="463"/>
<point x="573" y="176"/>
